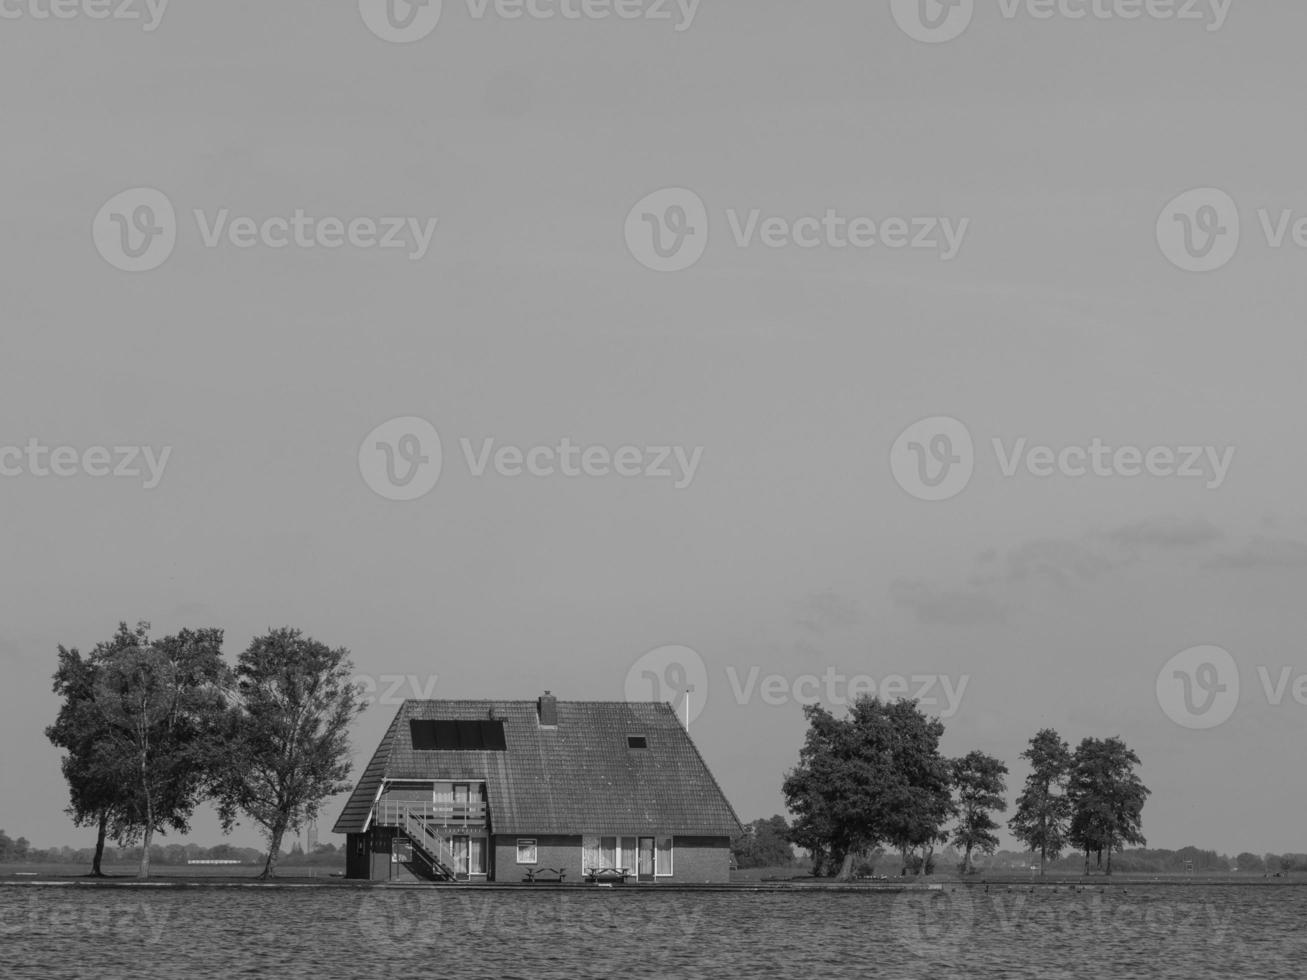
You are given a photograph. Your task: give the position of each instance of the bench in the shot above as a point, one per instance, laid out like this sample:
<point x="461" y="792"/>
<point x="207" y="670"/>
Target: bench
<point x="608" y="876"/>
<point x="551" y="875"/>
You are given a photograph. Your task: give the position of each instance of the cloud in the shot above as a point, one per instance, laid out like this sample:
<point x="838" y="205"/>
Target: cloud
<point x="1164" y="534"/>
<point x="1058" y="560"/>
<point x="946" y="607"/>
<point x="1262" y="552"/>
<point x="828" y="610"/>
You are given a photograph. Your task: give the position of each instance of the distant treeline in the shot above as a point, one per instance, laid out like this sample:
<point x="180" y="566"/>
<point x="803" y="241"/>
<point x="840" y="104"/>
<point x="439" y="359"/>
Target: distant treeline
<point x="21" y="852"/>
<point x="765" y="844"/>
<point x="1146" y="860"/>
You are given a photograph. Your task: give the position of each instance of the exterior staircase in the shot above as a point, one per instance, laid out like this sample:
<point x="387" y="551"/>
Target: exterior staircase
<point x="432" y="859"/>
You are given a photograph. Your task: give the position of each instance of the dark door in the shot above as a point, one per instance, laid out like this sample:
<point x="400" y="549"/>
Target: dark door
<point x="646" y="869"/>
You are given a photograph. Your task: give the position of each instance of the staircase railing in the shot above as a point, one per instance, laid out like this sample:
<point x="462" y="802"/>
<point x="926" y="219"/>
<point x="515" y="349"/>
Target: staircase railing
<point x="415" y="819"/>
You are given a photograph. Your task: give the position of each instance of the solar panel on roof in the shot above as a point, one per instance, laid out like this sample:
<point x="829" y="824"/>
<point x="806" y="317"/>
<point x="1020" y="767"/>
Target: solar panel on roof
<point x="423" y="733"/>
<point x="451" y="735"/>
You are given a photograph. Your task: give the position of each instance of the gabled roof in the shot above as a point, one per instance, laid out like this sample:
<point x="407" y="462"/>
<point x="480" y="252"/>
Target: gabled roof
<point x="579" y="777"/>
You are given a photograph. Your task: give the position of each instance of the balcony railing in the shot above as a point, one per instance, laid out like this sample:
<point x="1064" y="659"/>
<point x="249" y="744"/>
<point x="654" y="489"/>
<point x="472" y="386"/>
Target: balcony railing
<point x="397" y="813"/>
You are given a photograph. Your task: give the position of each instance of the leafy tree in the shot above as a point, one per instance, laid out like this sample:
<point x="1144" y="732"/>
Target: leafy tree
<point x="81" y="729"/>
<point x="873" y="777"/>
<point x="924" y="792"/>
<point x="14" y="850"/>
<point x="162" y="702"/>
<point x="1043" y="809"/>
<point x="981" y="788"/>
<point x="1249" y="862"/>
<point x="287" y="740"/>
<point x="764" y="844"/>
<point x="1107" y="798"/>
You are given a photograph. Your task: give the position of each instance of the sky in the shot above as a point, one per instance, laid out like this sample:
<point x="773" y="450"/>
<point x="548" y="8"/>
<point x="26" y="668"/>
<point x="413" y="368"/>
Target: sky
<point x="970" y="360"/>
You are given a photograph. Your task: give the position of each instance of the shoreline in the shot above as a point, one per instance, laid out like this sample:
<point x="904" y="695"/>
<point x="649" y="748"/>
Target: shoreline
<point x="1096" y="883"/>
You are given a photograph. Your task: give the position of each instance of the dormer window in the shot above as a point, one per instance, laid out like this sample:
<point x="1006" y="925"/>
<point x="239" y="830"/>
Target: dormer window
<point x="637" y="741"/>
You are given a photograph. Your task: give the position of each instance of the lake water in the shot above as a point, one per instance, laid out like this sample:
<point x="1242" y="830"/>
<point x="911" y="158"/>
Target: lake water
<point x="1180" y="932"/>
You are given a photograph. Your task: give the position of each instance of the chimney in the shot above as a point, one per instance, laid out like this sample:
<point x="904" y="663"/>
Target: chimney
<point x="548" y="708"/>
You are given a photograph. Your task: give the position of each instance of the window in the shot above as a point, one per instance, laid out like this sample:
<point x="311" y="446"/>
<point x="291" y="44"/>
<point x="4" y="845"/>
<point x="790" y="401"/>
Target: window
<point x="663" y="858"/>
<point x="526" y="851"/>
<point x="402" y="852"/>
<point x="637" y="741"/>
<point x="608" y="852"/>
<point x="451" y="735"/>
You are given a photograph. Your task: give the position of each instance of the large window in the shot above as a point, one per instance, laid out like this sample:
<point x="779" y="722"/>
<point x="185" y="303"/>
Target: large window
<point x="526" y="851"/>
<point x="643" y="856"/>
<point x="663" y="858"/>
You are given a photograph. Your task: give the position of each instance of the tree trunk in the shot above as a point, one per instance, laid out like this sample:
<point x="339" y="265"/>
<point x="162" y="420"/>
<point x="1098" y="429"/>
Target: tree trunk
<point x="99" y="845"/>
<point x="846" y="869"/>
<point x="274" y="850"/>
<point x="1043" y="858"/>
<point x="966" y="861"/>
<point x="144" y="871"/>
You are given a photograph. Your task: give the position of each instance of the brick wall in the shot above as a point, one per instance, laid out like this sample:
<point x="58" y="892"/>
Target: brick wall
<point x="697" y="860"/>
<point x="694" y="859"/>
<point x="551" y="852"/>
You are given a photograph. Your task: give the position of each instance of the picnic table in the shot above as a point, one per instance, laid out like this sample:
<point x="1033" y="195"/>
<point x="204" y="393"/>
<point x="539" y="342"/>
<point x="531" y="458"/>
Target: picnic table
<point x="608" y="875"/>
<point x="538" y="874"/>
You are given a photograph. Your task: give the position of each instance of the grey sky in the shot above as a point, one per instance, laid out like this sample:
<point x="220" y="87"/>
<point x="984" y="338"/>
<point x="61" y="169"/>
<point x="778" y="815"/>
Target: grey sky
<point x="793" y="549"/>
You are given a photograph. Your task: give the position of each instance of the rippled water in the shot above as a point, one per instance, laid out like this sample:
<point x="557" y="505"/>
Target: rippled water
<point x="1185" y="933"/>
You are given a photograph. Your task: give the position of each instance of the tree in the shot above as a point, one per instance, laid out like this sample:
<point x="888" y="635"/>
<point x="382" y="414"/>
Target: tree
<point x="81" y="729"/>
<point x="1043" y="809"/>
<point x="1248" y="861"/>
<point x="1107" y="798"/>
<point x="923" y="796"/>
<point x="873" y="777"/>
<point x="764" y="844"/>
<point x="162" y="702"/>
<point x="980" y="786"/>
<point x="287" y="739"/>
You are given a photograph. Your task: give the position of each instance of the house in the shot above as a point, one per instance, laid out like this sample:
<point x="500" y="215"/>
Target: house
<point x="491" y="790"/>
